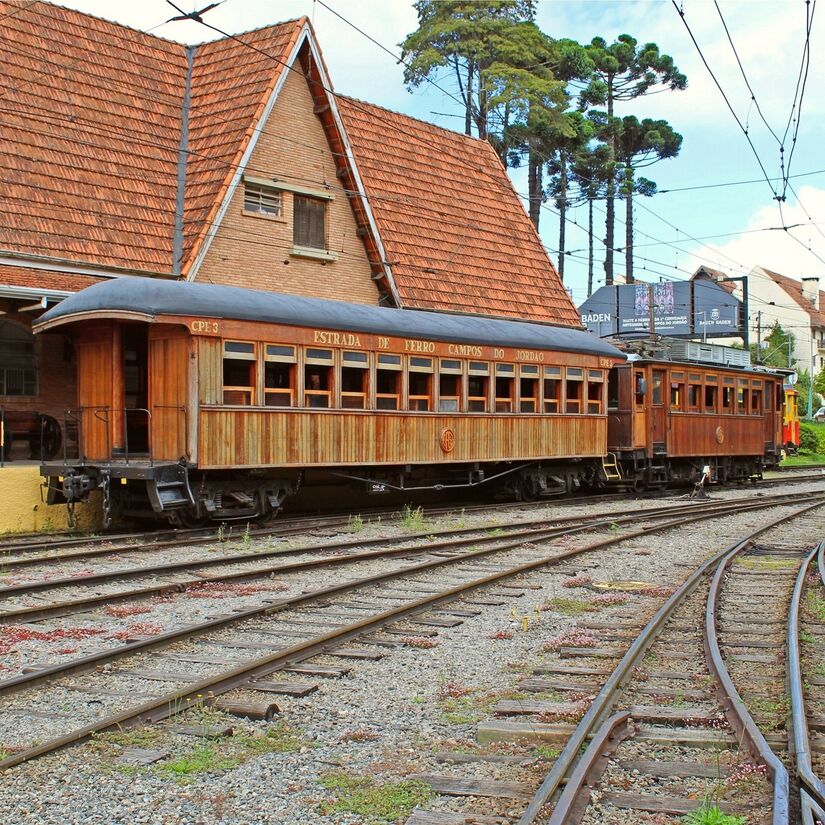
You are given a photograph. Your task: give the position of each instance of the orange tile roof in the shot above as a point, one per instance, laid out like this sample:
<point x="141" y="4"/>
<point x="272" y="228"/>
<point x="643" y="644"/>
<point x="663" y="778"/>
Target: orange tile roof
<point x="90" y="127"/>
<point x="718" y="276"/>
<point x="90" y="118"/>
<point x="231" y="84"/>
<point x="454" y="229"/>
<point x="794" y="289"/>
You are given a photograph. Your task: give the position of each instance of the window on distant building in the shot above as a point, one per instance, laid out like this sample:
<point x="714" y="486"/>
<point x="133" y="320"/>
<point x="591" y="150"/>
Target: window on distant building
<point x="262" y="200"/>
<point x="309" y="218"/>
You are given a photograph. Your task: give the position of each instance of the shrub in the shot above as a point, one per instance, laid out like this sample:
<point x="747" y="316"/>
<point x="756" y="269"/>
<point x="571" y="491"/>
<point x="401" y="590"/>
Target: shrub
<point x="808" y="439"/>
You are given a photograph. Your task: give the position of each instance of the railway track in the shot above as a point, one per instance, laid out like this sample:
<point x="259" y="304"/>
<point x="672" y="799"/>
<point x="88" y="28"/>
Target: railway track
<point x="682" y="686"/>
<point x="138" y="683"/>
<point x="83" y="593"/>
<point x="806" y="684"/>
<point x="36" y="549"/>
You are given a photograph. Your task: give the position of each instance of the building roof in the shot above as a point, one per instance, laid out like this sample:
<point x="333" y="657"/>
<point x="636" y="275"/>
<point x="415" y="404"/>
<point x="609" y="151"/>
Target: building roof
<point x="794" y="289"/>
<point x="718" y="276"/>
<point x="453" y="227"/>
<point x="157" y="298"/>
<point x="92" y="115"/>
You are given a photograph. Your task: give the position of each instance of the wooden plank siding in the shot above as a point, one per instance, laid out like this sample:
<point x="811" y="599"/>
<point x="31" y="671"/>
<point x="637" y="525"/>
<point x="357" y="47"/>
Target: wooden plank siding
<point x="95" y="369"/>
<point x="695" y="434"/>
<point x="169" y="349"/>
<point x="231" y="437"/>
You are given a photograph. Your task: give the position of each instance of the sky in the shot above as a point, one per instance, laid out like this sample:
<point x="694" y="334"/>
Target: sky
<point x="728" y="227"/>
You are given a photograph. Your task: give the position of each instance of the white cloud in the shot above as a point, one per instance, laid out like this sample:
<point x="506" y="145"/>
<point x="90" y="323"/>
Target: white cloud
<point x="774" y="249"/>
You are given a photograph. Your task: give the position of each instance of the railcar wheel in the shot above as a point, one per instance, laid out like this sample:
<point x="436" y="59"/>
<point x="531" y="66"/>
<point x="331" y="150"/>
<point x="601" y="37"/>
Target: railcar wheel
<point x="527" y="489"/>
<point x="51" y="438"/>
<point x="186" y="519"/>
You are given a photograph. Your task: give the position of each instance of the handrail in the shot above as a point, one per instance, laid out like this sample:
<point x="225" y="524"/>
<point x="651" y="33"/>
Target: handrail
<point x="811" y="784"/>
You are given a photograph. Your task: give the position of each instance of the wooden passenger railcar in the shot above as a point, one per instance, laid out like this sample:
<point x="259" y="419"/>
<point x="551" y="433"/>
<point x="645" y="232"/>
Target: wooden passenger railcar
<point x="670" y="420"/>
<point x="214" y="401"/>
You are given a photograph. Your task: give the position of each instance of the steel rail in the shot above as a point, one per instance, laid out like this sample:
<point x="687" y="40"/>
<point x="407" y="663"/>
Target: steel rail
<point x="811" y="784"/>
<point x="609" y="693"/>
<point x="92" y="660"/>
<point x="10" y="566"/>
<point x="175" y="701"/>
<point x="736" y="711"/>
<point x="70" y="606"/>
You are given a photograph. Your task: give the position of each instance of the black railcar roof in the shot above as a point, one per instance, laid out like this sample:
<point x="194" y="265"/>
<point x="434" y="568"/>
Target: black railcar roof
<point x="154" y="297"/>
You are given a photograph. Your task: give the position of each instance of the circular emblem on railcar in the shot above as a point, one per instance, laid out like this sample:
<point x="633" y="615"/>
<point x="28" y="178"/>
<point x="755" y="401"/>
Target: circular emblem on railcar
<point x="720" y="435"/>
<point x="447" y="440"/>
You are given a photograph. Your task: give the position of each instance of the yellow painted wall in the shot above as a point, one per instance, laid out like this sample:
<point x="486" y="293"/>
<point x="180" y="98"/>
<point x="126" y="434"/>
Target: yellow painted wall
<point x="22" y="510"/>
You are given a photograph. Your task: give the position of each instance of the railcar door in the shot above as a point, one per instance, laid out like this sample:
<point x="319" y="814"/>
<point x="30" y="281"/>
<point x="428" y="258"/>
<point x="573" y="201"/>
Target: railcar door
<point x="658" y="420"/>
<point x="769" y="408"/>
<point x="640" y="408"/>
<point x="169" y="349"/>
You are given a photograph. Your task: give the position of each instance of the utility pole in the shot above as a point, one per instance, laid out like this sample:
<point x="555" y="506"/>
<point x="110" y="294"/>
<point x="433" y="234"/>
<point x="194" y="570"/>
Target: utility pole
<point x="811" y="388"/>
<point x="759" y="337"/>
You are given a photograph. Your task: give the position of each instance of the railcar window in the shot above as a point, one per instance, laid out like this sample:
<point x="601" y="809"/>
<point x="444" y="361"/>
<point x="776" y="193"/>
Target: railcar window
<point x="657" y="388"/>
<point x="420" y="383"/>
<point x="529" y="389"/>
<point x="552" y="389"/>
<point x="240" y="360"/>
<point x="595" y="394"/>
<point x="639" y="388"/>
<point x="756" y="402"/>
<point x="355" y="376"/>
<point x="742" y="398"/>
<point x="694" y="398"/>
<point x="613" y="389"/>
<point x="727" y="399"/>
<point x="711" y="393"/>
<point x="388" y="382"/>
<point x="574" y="389"/>
<point x="779" y="398"/>
<point x="478" y="387"/>
<point x="449" y="385"/>
<point x="318" y="375"/>
<point x="279" y="376"/>
<point x="505" y="381"/>
<point x="677" y="391"/>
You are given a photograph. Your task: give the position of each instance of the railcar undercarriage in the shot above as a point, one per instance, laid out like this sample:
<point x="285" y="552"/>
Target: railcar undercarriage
<point x="189" y="497"/>
<point x="638" y="472"/>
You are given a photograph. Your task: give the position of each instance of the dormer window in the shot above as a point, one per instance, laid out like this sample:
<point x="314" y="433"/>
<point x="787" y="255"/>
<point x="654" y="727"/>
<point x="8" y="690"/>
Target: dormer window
<point x="309" y="222"/>
<point x="262" y="201"/>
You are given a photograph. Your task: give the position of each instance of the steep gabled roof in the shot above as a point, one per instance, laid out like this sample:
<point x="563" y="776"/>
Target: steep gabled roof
<point x="716" y="275"/>
<point x="90" y="115"/>
<point x="794" y="288"/>
<point x="455" y="231"/>
<point x="231" y="85"/>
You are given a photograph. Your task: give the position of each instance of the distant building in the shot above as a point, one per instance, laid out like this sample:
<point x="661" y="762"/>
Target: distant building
<point x="798" y="306"/>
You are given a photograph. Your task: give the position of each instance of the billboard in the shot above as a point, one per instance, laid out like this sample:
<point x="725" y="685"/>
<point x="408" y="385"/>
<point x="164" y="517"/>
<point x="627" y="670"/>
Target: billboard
<point x="686" y="309"/>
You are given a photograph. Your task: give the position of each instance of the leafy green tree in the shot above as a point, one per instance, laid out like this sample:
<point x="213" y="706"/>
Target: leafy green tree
<point x="819" y="382"/>
<point x="589" y="172"/>
<point x="624" y="71"/>
<point x="561" y="166"/>
<point x="777" y="349"/>
<point x="545" y="127"/>
<point x="470" y="37"/>
<point x="640" y="144"/>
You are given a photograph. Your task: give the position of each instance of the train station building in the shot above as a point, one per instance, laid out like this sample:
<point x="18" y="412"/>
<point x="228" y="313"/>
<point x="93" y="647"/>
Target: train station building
<point x="128" y="155"/>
